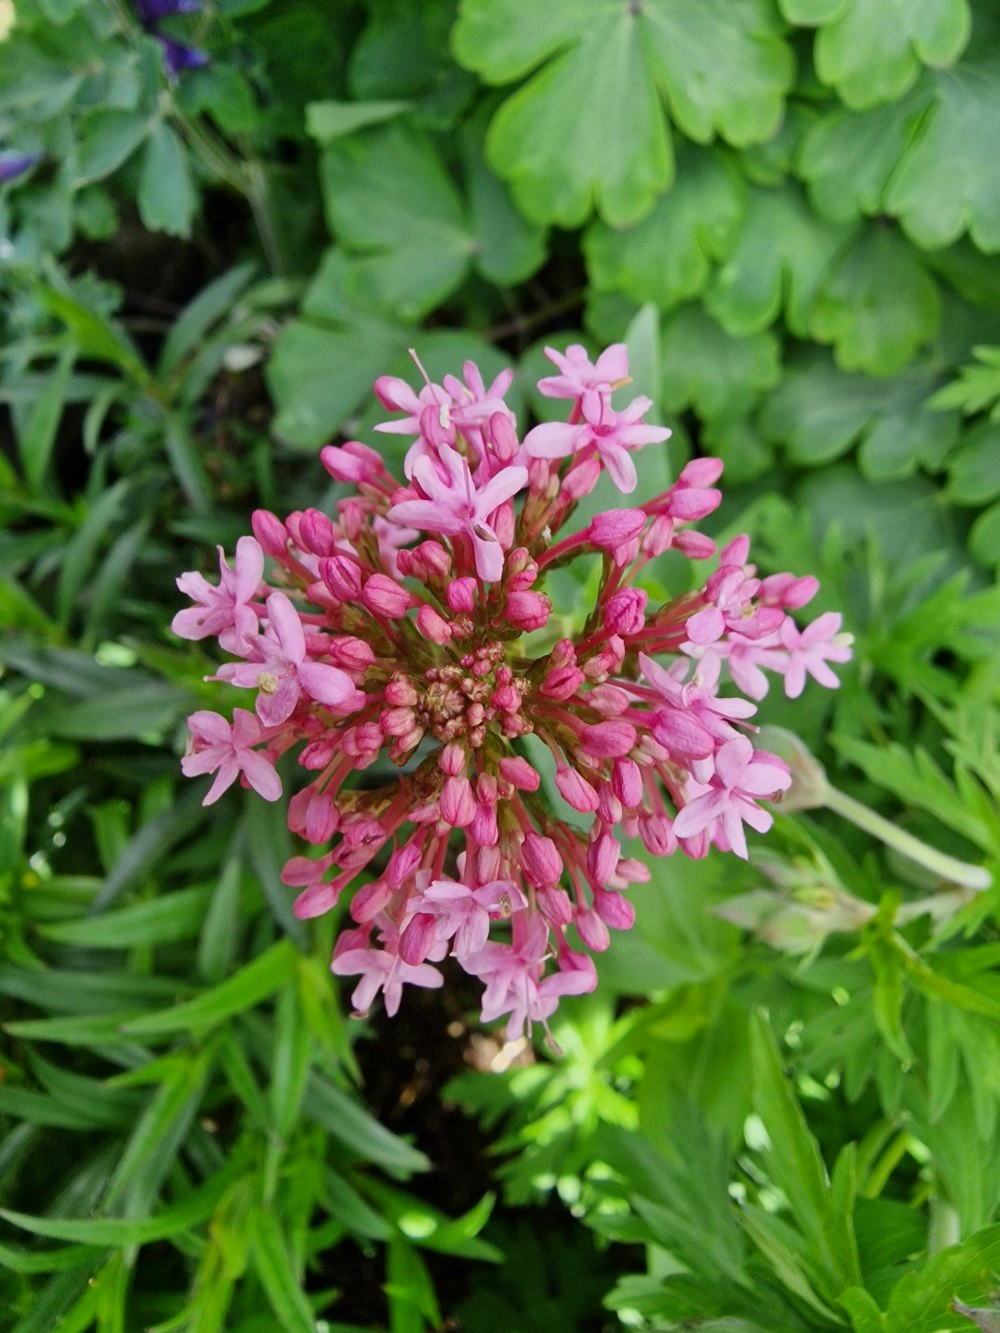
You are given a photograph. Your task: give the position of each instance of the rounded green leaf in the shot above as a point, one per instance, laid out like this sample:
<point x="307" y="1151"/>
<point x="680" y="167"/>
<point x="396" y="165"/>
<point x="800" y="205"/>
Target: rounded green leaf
<point x="847" y="157"/>
<point x="587" y="131"/>
<point x="878" y="305"/>
<point x="390" y="200"/>
<point x="783" y="253"/>
<point x="948" y="182"/>
<point x="667" y="258"/>
<point x="722" y="65"/>
<point x="708" y="369"/>
<point x="871" y="50"/>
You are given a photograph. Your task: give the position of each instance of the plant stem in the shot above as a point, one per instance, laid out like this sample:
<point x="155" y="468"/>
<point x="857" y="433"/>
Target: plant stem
<point x="939" y="863"/>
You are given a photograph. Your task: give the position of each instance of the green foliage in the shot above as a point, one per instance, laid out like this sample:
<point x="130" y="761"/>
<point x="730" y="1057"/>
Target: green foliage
<point x="780" y="1111"/>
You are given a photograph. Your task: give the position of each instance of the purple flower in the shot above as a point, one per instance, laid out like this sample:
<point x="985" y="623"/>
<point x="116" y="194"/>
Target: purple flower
<point x="180" y="56"/>
<point x="13" y="164"/>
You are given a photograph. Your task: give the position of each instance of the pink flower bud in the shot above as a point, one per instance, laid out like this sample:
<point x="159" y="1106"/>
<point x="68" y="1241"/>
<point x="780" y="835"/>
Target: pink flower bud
<point x="659" y="536"/>
<point x="426" y="562"/>
<point x="417" y="938"/>
<point x="609" y="808"/>
<point x="657" y="835"/>
<point x="270" y="532"/>
<point x="576" y="790"/>
<point x="502" y="436"/>
<point x="618" y="531"/>
<point x="316" y="533"/>
<point x="607" y="740"/>
<point x="342" y="576"/>
<point x="315" y="900"/>
<point x="609" y="700"/>
<point x="562" y="682"/>
<point x="581" y="479"/>
<point x="399" y="692"/>
<point x="626" y="782"/>
<point x="461" y="595"/>
<point x="603" y="855"/>
<point x="592" y="931"/>
<point x="385" y="597"/>
<point x="528" y="610"/>
<point x="451" y="760"/>
<point x="554" y="904"/>
<point x="458" y="805"/>
<point x="485" y="828"/>
<point x="396" y="721"/>
<point x="433" y="626"/>
<point x="402" y="864"/>
<point x="694" y="545"/>
<point x="352" y="462"/>
<point x="519" y="773"/>
<point x="369" y="901"/>
<point x="625" y="611"/>
<point x="614" y="909"/>
<point x="321" y="819"/>
<point x="541" y="860"/>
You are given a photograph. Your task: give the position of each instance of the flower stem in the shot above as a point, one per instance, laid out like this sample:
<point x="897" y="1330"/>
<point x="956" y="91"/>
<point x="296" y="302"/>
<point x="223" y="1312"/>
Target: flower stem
<point x="939" y="863"/>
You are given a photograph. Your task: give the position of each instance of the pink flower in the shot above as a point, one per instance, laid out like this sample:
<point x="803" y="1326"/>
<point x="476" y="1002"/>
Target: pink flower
<point x="406" y="634"/>
<point x="224" y="611"/>
<point x="381" y="969"/>
<point x="611" y="433"/>
<point x="514" y="983"/>
<point x="810" y="649"/>
<point x="578" y="375"/>
<point x="742" y="775"/>
<point x="452" y="505"/>
<point x="280" y="670"/>
<point x="228" y="749"/>
<point x="464" y="913"/>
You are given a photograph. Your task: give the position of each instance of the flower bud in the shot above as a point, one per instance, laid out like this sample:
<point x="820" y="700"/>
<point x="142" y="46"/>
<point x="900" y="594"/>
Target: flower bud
<point x="541" y="860"/>
<point x="614" y="909"/>
<point x="270" y="532"/>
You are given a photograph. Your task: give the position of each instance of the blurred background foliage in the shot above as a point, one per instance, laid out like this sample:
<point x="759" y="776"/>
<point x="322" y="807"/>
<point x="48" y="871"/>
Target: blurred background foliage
<point x="218" y="225"/>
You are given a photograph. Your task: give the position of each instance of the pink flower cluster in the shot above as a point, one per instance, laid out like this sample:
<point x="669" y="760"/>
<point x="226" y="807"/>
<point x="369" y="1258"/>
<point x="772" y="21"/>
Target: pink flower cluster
<point x="411" y="635"/>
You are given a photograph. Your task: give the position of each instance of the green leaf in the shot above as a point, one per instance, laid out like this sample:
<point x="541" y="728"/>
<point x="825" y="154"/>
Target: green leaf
<point x="153" y="1146"/>
<point x="96" y="335"/>
<point x="589" y="129"/>
<point x="586" y="132"/>
<point x="167" y="197"/>
<point x="290" y="1062"/>
<point x="818" y="412"/>
<point x="212" y="304"/>
<point x="507" y="248"/>
<point x="872" y="50"/>
<point x="108" y="137"/>
<point x="282" y="1285"/>
<point x="977" y="386"/>
<point x="39" y="436"/>
<point x="710" y="370"/>
<point x="326" y="121"/>
<point x="921" y="1301"/>
<point x="149" y="844"/>
<point x="190" y="1211"/>
<point x="984" y="538"/>
<point x="847" y="157"/>
<point x="945" y="183"/>
<point x="865" y="1315"/>
<point x="131" y="712"/>
<point x="245" y="989"/>
<point x="185" y="461"/>
<point x="408" y="260"/>
<point x="324" y="364"/>
<point x="352" y="1125"/>
<point x="783" y="252"/>
<point x="878" y="305"/>
<point x="794" y="1164"/>
<point x="667" y="258"/>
